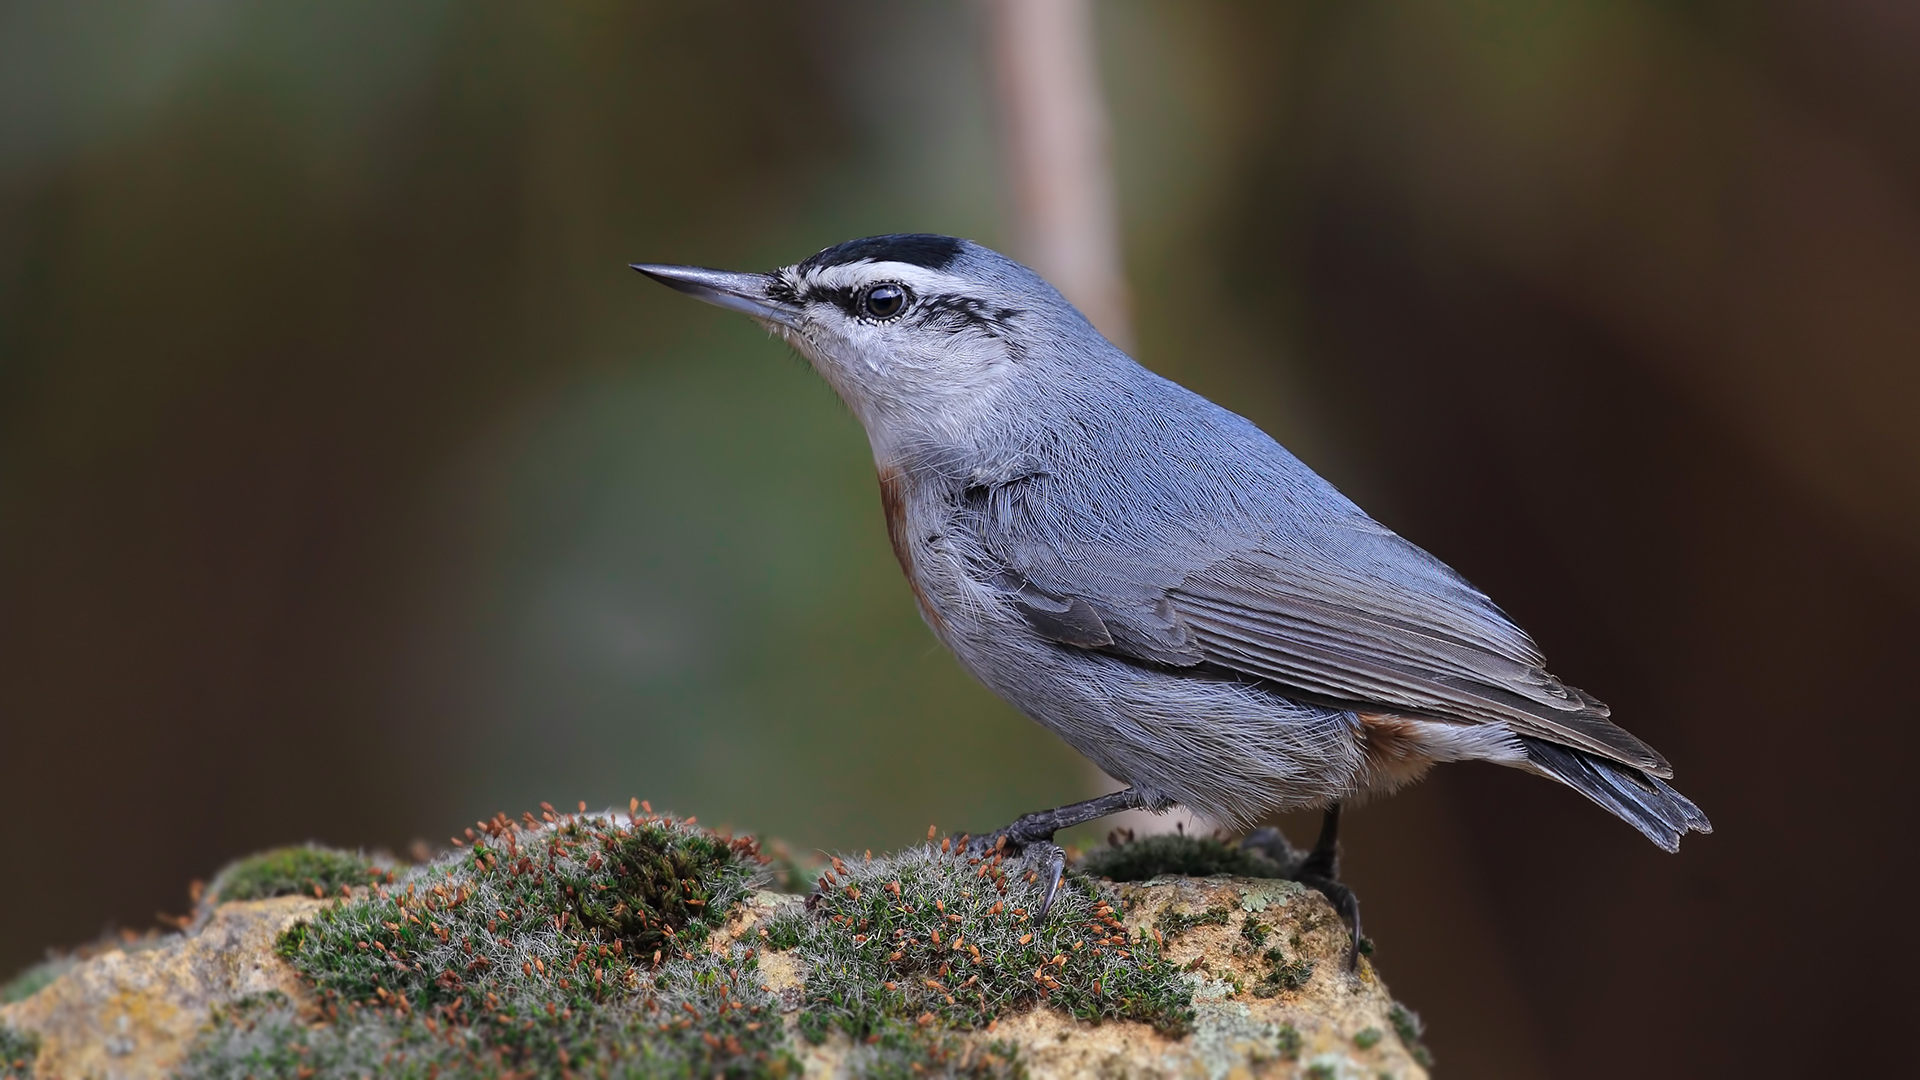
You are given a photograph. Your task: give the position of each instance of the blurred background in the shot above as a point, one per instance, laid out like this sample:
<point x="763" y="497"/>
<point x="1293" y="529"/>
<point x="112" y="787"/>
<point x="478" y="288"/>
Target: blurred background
<point x="351" y="488"/>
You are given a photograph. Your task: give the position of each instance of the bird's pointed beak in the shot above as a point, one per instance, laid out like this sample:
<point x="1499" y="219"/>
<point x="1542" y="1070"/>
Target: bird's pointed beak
<point x="748" y="293"/>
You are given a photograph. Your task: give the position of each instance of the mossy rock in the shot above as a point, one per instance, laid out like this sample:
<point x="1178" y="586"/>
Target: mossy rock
<point x="639" y="945"/>
<point x="929" y="940"/>
<point x="572" y="942"/>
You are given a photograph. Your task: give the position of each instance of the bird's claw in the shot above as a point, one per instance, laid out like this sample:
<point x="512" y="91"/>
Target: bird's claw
<point x="1053" y="867"/>
<point x="1345" y="904"/>
<point x="1047" y="858"/>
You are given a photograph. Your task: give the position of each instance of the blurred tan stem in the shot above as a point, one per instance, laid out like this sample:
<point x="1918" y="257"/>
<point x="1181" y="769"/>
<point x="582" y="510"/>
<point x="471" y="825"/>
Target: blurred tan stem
<point x="1053" y="136"/>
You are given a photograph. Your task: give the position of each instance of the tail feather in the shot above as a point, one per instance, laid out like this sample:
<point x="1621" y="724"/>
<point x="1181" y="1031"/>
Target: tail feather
<point x="1643" y="801"/>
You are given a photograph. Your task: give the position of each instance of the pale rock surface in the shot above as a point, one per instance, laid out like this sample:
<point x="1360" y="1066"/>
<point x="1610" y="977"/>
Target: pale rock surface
<point x="128" y="1015"/>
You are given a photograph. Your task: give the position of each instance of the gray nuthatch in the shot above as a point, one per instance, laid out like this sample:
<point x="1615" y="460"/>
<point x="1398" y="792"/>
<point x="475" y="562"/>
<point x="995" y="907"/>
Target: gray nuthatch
<point x="1154" y="579"/>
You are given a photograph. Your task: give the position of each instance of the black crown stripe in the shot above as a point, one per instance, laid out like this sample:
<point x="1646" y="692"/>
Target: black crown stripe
<point x="928" y="250"/>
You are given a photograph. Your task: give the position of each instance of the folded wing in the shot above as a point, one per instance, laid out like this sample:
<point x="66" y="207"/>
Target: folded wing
<point x="1390" y="643"/>
<point x="1327" y="606"/>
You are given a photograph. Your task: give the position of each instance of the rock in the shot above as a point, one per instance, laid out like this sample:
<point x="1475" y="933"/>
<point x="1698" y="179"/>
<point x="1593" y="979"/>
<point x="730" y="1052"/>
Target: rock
<point x="1191" y="977"/>
<point x="129" y="1014"/>
<point x="1249" y="1016"/>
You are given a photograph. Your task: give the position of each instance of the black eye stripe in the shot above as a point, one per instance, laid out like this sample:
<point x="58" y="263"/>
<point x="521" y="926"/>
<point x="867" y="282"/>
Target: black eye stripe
<point x="949" y="311"/>
<point x="853" y="300"/>
<point x="847" y="300"/>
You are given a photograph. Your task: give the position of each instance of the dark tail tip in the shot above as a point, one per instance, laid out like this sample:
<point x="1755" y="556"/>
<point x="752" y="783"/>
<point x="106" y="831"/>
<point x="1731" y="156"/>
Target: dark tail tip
<point x="1645" y="802"/>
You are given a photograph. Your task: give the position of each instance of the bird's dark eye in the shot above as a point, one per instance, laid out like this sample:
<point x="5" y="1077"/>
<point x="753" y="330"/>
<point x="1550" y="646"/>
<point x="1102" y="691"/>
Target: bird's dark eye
<point x="884" y="301"/>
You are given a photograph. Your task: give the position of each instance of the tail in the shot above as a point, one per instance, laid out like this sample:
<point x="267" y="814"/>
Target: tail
<point x="1645" y="802"/>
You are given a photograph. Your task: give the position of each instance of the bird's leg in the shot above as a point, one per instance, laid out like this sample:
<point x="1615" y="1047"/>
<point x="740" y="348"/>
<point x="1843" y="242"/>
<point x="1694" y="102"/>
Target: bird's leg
<point x="1321" y="871"/>
<point x="1034" y="828"/>
<point x="1036" y="831"/>
<point x="1324" y="859"/>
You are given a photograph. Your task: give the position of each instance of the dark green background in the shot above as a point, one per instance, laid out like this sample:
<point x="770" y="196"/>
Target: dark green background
<point x="351" y="488"/>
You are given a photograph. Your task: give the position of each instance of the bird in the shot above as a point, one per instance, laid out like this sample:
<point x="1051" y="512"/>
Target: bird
<point x="1155" y="579"/>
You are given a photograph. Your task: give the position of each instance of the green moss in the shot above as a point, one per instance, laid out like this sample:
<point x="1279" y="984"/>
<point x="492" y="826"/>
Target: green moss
<point x="290" y="871"/>
<point x="904" y="949"/>
<point x="912" y="1055"/>
<point x="573" y="943"/>
<point x="1173" y="923"/>
<point x="784" y="930"/>
<point x="1282" y="975"/>
<point x="1176" y="853"/>
<point x="17" y="1052"/>
<point x="1368" y="1038"/>
<point x="1323" y="1071"/>
<point x="1254" y="931"/>
<point x="1407" y="1024"/>
<point x="1289" y="1042"/>
<point x="31" y="981"/>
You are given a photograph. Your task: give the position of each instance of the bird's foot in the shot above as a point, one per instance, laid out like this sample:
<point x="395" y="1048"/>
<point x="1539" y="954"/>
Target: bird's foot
<point x="1031" y="836"/>
<point x="1317" y="869"/>
<point x="1047" y="859"/>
